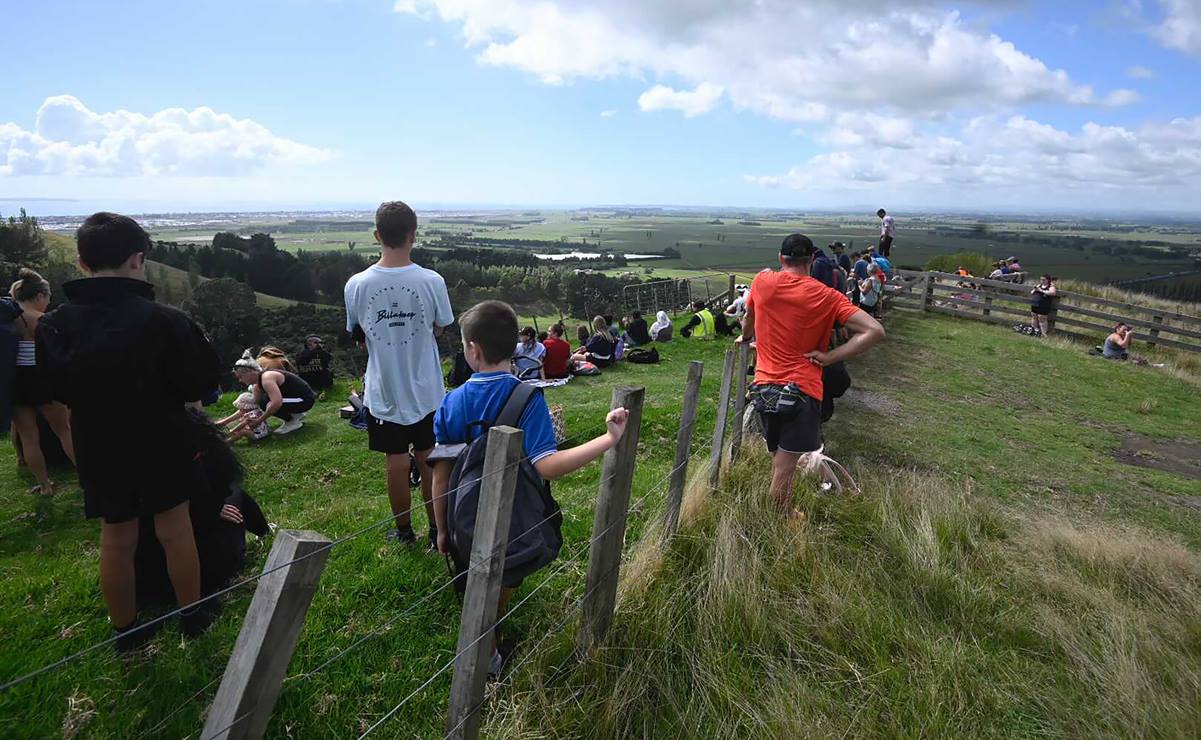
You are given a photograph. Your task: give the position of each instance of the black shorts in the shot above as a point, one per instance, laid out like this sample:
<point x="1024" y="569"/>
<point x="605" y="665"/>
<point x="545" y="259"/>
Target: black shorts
<point x="289" y="407"/>
<point x="31" y="387"/>
<point x="1038" y="311"/>
<point x="120" y="498"/>
<point x="391" y="438"/>
<point x="796" y="433"/>
<point x="885" y="245"/>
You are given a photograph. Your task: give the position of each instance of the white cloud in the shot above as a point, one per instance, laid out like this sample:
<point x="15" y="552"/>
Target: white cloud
<point x="1139" y="72"/>
<point x="898" y="56"/>
<point x="608" y="113"/>
<point x="1180" y="27"/>
<point x="70" y="139"/>
<point x="1015" y="155"/>
<point x="689" y="102"/>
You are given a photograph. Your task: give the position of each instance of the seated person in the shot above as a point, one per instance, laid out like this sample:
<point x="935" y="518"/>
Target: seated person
<point x="528" y="355"/>
<point x="637" y="333"/>
<point x="614" y="327"/>
<point x="600" y="347"/>
<point x="278" y="393"/>
<point x="1117" y="344"/>
<point x="558" y="354"/>
<point x="221" y="513"/>
<point x="314" y="361"/>
<point x="660" y="331"/>
<point x="703" y="323"/>
<point x="485" y="329"/>
<point x="581" y="335"/>
<point x="247" y="411"/>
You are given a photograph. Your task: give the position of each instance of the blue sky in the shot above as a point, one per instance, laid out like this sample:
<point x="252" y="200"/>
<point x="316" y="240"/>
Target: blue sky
<point x="773" y="103"/>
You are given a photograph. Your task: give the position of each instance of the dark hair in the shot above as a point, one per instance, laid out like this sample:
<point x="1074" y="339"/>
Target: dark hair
<point x="529" y="332"/>
<point x="608" y="319"/>
<point x="698" y="305"/>
<point x="542" y="336"/>
<point x="583" y="334"/>
<point x="492" y="326"/>
<point x="395" y="222"/>
<point x="106" y="240"/>
<point x="557" y="329"/>
<point x="881" y="212"/>
<point x="796" y="248"/>
<point x="29" y="285"/>
<point x="635" y="315"/>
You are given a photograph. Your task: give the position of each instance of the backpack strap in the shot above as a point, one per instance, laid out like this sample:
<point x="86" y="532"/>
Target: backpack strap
<point x="519" y="398"/>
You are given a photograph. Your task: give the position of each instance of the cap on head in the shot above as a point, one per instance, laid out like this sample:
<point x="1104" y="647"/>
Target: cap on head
<point x="797" y="247"/>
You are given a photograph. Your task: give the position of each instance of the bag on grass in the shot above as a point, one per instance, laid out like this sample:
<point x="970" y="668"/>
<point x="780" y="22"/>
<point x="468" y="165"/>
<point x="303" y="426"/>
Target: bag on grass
<point x="557" y="423"/>
<point x="643" y="356"/>
<point x="585" y="368"/>
<point x="535" y="527"/>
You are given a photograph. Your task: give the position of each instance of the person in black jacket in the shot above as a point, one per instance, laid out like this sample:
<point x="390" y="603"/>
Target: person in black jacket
<point x="109" y="344"/>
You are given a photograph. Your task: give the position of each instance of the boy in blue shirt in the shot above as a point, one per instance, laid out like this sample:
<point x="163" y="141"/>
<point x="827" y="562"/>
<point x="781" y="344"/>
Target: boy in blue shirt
<point x="488" y="329"/>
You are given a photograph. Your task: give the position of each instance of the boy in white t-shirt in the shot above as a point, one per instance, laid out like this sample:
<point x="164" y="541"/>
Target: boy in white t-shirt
<point x="399" y="309"/>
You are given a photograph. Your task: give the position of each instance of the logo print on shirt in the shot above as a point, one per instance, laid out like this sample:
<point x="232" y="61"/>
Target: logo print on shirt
<point x="401" y="317"/>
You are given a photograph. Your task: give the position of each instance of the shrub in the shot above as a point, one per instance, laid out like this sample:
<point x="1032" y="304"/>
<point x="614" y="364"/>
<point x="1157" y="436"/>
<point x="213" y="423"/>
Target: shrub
<point x="974" y="262"/>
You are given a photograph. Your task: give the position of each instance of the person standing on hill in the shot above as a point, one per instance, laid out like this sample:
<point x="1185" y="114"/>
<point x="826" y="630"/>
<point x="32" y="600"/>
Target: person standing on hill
<point x="109" y="344"/>
<point x="790" y="316"/>
<point x="399" y="309"/>
<point x="314" y="362"/>
<point x="888" y="232"/>
<point x="1042" y="301"/>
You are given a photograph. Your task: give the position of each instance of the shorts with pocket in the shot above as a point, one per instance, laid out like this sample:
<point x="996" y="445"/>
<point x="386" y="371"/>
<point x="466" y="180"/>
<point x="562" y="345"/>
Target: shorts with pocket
<point x="798" y="432"/>
<point x="391" y="438"/>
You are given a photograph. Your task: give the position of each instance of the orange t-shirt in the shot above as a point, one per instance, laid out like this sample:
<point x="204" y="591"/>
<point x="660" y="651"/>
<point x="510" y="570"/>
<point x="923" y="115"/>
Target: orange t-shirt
<point x="794" y="314"/>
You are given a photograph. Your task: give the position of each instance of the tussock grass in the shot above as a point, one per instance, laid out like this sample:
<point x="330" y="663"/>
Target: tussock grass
<point x="1188" y="308"/>
<point x="913" y="608"/>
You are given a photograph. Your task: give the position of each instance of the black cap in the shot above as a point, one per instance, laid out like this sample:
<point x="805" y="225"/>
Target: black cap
<point x="797" y="246"/>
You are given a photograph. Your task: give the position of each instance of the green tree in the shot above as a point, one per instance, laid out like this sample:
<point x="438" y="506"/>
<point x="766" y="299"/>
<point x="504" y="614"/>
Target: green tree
<point x="22" y="244"/>
<point x="974" y="262"/>
<point x="226" y="310"/>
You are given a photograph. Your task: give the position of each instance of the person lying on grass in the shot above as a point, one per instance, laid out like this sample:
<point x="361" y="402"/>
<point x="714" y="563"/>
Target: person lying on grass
<point x="487" y="330"/>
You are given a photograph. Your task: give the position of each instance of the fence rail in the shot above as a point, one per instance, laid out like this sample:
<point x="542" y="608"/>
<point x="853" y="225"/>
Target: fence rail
<point x="983" y="299"/>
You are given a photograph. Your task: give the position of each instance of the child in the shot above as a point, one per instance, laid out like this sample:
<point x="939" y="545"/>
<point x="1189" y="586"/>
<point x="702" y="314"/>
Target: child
<point x="247" y="415"/>
<point x="486" y="330"/>
<point x="112" y="333"/>
<point x="528" y="356"/>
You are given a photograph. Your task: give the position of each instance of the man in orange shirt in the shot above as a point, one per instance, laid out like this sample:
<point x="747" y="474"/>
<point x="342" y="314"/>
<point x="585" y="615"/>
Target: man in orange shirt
<point x="790" y="316"/>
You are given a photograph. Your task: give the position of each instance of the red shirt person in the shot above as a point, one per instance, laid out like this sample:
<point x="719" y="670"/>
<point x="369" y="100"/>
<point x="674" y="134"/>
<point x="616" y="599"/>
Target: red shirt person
<point x="558" y="353"/>
<point x="790" y="316"/>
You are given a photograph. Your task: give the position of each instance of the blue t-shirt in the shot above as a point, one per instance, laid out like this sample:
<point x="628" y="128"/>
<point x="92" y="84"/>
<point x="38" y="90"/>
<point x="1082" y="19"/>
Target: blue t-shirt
<point x="861" y="269"/>
<point x="480" y="399"/>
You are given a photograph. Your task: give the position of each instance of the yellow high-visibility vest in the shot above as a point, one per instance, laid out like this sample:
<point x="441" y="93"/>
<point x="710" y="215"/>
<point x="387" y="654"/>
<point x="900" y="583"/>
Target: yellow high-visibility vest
<point x="708" y="327"/>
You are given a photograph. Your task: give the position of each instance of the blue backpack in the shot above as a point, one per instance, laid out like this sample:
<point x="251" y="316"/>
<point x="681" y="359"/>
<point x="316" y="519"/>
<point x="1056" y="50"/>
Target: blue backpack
<point x="535" y="528"/>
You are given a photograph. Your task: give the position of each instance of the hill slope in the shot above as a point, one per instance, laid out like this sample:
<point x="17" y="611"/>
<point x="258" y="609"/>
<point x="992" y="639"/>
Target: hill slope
<point x="1002" y="573"/>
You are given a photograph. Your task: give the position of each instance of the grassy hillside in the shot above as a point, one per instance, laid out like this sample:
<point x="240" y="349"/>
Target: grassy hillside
<point x="1009" y="569"/>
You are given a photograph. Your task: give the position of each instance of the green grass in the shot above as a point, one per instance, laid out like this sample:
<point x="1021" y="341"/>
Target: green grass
<point x="1002" y="574"/>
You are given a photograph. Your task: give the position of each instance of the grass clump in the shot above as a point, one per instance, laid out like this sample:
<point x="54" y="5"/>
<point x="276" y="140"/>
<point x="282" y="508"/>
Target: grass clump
<point x="914" y="607"/>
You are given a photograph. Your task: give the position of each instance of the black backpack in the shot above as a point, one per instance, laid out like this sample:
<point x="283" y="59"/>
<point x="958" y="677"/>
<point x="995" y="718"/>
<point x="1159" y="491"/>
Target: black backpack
<point x="535" y="528"/>
<point x="643" y="356"/>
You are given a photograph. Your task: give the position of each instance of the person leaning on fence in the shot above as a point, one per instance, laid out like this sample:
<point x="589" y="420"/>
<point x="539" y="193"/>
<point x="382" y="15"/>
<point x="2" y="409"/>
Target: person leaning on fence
<point x="487" y="328"/>
<point x="702" y="325"/>
<point x="399" y="309"/>
<point x="1042" y="300"/>
<point x="789" y="317"/>
<point x="600" y="347"/>
<point x="110" y="334"/>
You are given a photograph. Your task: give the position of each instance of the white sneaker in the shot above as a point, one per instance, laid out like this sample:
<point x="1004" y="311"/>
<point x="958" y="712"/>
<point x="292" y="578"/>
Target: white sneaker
<point x="291" y="425"/>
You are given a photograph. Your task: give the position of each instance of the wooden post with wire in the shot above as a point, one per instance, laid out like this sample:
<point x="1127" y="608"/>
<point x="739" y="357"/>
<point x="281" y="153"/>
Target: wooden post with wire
<point x="723" y="411"/>
<point x="679" y="467"/>
<point x="739" y="401"/>
<point x="609" y="525"/>
<point x="260" y="657"/>
<point x="480" y="601"/>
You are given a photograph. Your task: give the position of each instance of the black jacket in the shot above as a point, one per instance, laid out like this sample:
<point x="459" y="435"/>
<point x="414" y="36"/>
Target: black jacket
<point x="126" y="365"/>
<point x="9" y="311"/>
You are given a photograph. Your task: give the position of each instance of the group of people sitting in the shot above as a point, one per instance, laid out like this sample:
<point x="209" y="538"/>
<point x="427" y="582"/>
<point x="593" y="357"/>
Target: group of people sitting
<point x="548" y="356"/>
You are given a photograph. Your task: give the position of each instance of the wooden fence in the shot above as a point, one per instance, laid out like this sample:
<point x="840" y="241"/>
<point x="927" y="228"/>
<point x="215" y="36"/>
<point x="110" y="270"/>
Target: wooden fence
<point x="1074" y="314"/>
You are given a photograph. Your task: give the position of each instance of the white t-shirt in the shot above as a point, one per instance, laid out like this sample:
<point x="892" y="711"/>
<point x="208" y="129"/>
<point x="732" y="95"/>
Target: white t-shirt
<point x="887" y="228"/>
<point x="397" y="308"/>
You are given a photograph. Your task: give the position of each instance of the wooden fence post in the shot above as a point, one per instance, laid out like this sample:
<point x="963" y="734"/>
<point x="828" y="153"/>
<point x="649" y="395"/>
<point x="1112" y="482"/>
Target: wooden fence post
<point x="739" y="401"/>
<point x="730" y="290"/>
<point x="987" y="305"/>
<point x="679" y="467"/>
<point x="609" y="525"/>
<point x="1156" y="319"/>
<point x="483" y="594"/>
<point x="260" y="657"/>
<point x="493" y="513"/>
<point x="928" y="292"/>
<point x="723" y="411"/>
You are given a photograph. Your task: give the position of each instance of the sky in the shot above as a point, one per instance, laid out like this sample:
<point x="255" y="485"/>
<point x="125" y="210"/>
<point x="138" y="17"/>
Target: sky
<point x="994" y="105"/>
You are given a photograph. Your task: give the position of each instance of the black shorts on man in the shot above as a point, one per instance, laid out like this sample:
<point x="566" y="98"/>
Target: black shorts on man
<point x="391" y="438"/>
<point x="798" y="432"/>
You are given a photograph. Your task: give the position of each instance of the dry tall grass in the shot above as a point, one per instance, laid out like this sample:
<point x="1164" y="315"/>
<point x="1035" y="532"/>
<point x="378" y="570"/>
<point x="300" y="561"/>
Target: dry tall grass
<point x="912" y="609"/>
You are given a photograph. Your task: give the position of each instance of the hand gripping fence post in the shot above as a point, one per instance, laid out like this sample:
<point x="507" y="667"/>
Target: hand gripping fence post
<point x="739" y="401"/>
<point x="679" y="468"/>
<point x="260" y="657"/>
<point x="723" y="411"/>
<point x="480" y="601"/>
<point x="604" y="556"/>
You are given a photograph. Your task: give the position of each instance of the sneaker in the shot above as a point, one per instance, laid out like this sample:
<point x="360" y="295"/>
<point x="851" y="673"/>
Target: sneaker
<point x="403" y="536"/>
<point x="291" y="425"/>
<point x="196" y="620"/>
<point x="433" y="538"/>
<point x="500" y="657"/>
<point x="134" y="636"/>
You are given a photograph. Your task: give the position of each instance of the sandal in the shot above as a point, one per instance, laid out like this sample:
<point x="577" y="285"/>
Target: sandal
<point x="41" y="490"/>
